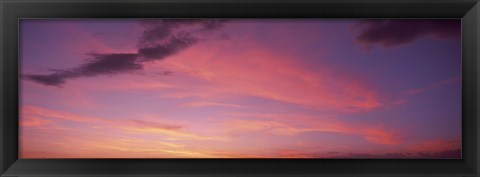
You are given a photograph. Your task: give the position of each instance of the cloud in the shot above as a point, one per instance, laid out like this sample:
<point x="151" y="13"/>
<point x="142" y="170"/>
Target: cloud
<point x="32" y="121"/>
<point x="148" y="124"/>
<point x="435" y="85"/>
<point x="296" y="124"/>
<point x="440" y="148"/>
<point x="99" y="64"/>
<point x="392" y="33"/>
<point x="260" y="72"/>
<point x="161" y="51"/>
<point x="436" y="145"/>
<point x="109" y="64"/>
<point x="207" y="104"/>
<point x="172" y="131"/>
<point x="159" y="40"/>
<point x="158" y="30"/>
<point x="57" y="78"/>
<point x="36" y="111"/>
<point x="453" y="153"/>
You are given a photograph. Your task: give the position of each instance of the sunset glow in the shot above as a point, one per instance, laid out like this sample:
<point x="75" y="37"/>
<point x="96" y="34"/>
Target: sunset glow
<point x="238" y="88"/>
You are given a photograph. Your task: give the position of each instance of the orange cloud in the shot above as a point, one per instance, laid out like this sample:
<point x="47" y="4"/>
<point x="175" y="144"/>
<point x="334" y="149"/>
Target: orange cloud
<point x="174" y="134"/>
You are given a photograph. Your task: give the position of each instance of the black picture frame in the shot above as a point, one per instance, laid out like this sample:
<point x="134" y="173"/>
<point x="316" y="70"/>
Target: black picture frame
<point x="12" y="10"/>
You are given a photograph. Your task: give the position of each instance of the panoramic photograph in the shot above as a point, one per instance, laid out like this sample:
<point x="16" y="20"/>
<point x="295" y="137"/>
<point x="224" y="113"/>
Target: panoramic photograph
<point x="240" y="88"/>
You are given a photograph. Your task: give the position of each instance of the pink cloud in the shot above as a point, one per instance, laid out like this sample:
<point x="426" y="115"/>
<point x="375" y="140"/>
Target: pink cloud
<point x="263" y="73"/>
<point x="174" y="131"/>
<point x="206" y="104"/>
<point x="33" y="121"/>
<point x="435" y="145"/>
<point x="43" y="112"/>
<point x="295" y="124"/>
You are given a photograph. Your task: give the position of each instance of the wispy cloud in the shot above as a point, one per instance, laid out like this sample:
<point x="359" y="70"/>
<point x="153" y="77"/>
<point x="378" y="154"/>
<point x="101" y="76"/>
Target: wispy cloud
<point x="262" y="72"/>
<point x="296" y="124"/>
<point x="172" y="131"/>
<point x="44" y="112"/>
<point x="33" y="121"/>
<point x="433" y="85"/>
<point x="207" y="104"/>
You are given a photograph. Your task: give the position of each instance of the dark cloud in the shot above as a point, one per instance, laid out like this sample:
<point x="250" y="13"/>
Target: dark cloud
<point x="163" y="50"/>
<point x="165" y="73"/>
<point x="391" y="33"/>
<point x="98" y="64"/>
<point x="209" y="25"/>
<point x="109" y="64"/>
<point x="159" y="30"/>
<point x="159" y="40"/>
<point x="54" y="79"/>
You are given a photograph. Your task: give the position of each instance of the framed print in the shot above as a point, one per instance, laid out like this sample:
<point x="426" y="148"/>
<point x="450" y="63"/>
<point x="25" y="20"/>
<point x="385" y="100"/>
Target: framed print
<point x="239" y="88"/>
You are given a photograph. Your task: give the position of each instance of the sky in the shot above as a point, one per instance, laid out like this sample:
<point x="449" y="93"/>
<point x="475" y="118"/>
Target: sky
<point x="240" y="88"/>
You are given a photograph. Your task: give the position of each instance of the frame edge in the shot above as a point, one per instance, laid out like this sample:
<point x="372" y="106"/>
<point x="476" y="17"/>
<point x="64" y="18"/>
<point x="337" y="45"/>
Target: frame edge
<point x="471" y="36"/>
<point x="6" y="163"/>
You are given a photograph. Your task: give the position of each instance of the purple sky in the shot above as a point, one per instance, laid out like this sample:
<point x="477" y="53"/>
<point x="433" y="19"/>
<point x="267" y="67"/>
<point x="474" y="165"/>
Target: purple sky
<point x="240" y="88"/>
